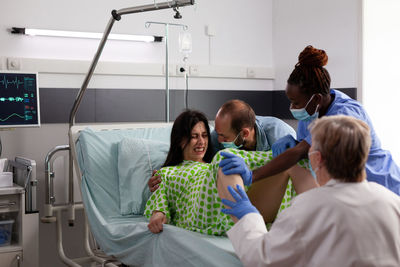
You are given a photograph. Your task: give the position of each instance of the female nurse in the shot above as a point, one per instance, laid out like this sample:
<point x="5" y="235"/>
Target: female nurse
<point x="308" y="89"/>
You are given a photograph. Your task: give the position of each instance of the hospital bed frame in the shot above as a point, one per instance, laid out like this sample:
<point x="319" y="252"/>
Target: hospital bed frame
<point x="53" y="212"/>
<point x="93" y="254"/>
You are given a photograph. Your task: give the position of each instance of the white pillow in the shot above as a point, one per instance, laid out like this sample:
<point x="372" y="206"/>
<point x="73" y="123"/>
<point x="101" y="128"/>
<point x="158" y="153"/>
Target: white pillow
<point x="136" y="160"/>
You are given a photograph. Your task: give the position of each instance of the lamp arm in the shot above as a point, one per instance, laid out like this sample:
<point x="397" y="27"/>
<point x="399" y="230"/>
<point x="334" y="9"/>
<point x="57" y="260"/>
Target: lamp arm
<point x="116" y="15"/>
<point x="90" y="72"/>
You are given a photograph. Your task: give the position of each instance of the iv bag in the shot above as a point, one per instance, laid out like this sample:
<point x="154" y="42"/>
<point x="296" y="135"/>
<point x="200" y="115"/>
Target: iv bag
<point x="185" y="42"/>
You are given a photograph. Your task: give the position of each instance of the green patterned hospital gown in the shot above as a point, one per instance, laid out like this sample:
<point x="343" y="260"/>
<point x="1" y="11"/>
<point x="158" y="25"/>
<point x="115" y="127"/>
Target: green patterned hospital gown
<point x="189" y="198"/>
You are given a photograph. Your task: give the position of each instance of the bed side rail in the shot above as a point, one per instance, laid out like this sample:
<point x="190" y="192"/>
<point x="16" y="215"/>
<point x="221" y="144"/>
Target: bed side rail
<point x="53" y="213"/>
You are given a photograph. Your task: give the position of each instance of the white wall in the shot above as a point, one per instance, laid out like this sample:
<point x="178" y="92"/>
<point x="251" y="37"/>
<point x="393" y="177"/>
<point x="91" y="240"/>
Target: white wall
<point x="234" y="44"/>
<point x="381" y="70"/>
<point x="332" y="25"/>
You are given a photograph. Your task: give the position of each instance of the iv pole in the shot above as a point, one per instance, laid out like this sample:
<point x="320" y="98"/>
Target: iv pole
<point x="116" y="16"/>
<point x="185" y="27"/>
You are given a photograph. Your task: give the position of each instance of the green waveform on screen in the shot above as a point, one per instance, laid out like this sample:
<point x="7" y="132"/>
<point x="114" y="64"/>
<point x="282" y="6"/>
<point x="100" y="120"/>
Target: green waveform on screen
<point x="14" y="82"/>
<point x="12" y="99"/>
<point x="14" y="114"/>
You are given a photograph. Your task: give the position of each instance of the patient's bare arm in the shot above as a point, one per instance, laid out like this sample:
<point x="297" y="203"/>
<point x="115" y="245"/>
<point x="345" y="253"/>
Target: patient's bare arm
<point x="154" y="181"/>
<point x="156" y="222"/>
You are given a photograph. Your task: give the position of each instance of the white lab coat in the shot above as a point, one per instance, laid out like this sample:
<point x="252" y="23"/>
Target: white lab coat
<point x="339" y="224"/>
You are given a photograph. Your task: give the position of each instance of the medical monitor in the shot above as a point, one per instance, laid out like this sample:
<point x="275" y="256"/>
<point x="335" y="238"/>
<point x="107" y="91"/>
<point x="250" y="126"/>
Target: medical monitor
<point x="19" y="99"/>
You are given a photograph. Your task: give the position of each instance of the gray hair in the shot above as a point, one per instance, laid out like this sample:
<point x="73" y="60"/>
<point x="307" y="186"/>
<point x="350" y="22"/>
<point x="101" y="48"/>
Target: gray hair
<point x="344" y="143"/>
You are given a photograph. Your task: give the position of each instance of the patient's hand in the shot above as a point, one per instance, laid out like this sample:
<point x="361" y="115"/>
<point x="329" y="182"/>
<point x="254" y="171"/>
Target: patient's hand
<point x="154" y="181"/>
<point x="156" y="222"/>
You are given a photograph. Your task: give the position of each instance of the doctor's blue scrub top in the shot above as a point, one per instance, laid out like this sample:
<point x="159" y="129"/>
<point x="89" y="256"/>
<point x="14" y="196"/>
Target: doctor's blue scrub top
<point x="380" y="166"/>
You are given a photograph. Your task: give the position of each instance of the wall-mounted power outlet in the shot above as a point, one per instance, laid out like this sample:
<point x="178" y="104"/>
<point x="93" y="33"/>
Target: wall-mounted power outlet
<point x="181" y="69"/>
<point x="211" y="31"/>
<point x="251" y="73"/>
<point x="13" y="63"/>
<point x="194" y="70"/>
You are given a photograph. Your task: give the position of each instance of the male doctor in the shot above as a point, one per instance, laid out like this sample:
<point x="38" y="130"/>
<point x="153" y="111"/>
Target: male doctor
<point x="237" y="126"/>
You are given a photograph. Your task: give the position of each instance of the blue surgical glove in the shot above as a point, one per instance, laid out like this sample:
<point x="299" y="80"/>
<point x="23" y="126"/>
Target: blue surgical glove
<point x="242" y="206"/>
<point x="282" y="144"/>
<point x="232" y="164"/>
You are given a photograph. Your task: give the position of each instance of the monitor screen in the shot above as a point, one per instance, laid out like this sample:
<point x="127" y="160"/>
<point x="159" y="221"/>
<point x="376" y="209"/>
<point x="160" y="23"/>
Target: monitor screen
<point x="19" y="99"/>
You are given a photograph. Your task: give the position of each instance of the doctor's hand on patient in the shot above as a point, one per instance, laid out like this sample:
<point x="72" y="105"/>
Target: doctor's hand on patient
<point x="156" y="222"/>
<point x="154" y="181"/>
<point x="282" y="144"/>
<point x="232" y="164"/>
<point x="242" y="206"/>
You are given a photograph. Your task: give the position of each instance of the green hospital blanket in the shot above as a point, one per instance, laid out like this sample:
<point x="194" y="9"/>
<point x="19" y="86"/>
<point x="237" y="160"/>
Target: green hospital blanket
<point x="188" y="193"/>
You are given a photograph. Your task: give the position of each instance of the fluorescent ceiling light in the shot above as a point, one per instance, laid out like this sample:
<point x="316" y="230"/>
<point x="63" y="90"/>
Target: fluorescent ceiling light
<point x="89" y="35"/>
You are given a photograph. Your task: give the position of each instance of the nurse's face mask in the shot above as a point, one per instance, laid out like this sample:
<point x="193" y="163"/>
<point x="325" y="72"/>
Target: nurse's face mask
<point x="301" y="114"/>
<point x="232" y="144"/>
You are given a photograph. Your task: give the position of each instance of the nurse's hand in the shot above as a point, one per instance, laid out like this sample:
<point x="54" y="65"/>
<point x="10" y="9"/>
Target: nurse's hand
<point x="232" y="164"/>
<point x="154" y="181"/>
<point x="156" y="222"/>
<point x="242" y="206"/>
<point x="282" y="144"/>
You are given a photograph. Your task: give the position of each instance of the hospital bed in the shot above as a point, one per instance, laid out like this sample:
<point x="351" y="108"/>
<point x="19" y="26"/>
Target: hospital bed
<point x="112" y="163"/>
<point x="115" y="162"/>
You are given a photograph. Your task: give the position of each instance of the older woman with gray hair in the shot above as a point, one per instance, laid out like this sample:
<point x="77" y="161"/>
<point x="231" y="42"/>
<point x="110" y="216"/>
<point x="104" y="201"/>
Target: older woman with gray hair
<point x="347" y="221"/>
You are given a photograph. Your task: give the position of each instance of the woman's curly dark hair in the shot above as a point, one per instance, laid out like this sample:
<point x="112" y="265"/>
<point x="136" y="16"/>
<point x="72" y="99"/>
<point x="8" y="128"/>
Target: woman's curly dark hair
<point x="309" y="73"/>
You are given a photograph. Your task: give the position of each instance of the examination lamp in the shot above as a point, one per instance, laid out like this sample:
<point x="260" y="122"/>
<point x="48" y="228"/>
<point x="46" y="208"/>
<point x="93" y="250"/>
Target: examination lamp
<point x="88" y="35"/>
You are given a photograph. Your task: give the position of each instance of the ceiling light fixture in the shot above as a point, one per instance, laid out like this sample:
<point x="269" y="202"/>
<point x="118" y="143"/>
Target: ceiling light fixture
<point x="88" y="35"/>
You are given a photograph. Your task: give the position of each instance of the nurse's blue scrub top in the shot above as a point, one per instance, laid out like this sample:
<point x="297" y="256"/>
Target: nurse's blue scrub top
<point x="380" y="166"/>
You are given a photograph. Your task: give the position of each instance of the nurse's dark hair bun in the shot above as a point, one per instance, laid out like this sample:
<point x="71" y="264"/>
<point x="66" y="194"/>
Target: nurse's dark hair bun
<point x="309" y="73"/>
<point x="312" y="57"/>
